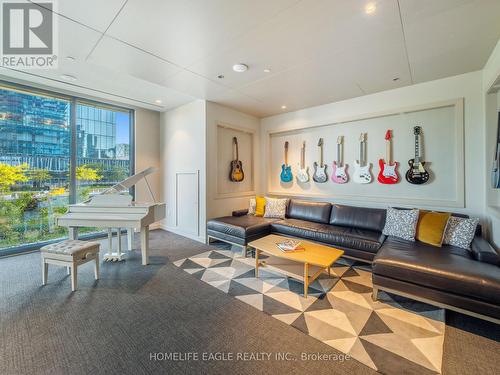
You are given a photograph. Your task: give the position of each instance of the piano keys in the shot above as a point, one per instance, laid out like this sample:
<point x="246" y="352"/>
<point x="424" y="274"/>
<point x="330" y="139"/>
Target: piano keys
<point x="114" y="208"/>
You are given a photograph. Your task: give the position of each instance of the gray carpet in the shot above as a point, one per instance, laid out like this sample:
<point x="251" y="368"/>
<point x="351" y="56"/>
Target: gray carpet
<point x="111" y="326"/>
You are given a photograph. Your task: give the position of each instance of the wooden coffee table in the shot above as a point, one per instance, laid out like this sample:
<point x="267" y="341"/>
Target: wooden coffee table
<point x="304" y="265"/>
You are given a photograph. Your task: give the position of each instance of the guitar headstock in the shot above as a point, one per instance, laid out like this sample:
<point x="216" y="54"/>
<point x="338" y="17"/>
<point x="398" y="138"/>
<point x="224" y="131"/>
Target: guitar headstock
<point x="388" y="135"/>
<point x="286" y="145"/>
<point x="362" y="137"/>
<point x="417" y="130"/>
<point x="320" y="142"/>
<point x="303" y="144"/>
<point x="340" y="139"/>
<point x="235" y="141"/>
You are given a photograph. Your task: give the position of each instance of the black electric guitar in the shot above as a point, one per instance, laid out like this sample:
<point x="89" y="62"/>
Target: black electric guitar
<point x="417" y="174"/>
<point x="495" y="170"/>
<point x="236" y="174"/>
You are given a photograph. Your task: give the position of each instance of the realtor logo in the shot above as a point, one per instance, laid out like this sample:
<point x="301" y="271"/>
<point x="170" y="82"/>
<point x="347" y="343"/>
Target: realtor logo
<point x="28" y="34"/>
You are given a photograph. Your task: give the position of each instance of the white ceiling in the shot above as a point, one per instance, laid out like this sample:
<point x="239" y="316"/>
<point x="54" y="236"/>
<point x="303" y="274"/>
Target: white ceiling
<point x="319" y="51"/>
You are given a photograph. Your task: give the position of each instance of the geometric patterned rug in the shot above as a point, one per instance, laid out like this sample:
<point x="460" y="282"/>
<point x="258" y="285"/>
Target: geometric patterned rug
<point x="393" y="335"/>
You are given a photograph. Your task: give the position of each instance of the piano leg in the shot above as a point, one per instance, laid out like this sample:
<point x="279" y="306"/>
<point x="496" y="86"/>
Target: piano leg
<point x="145" y="245"/>
<point x="130" y="239"/>
<point x="73" y="233"/>
<point x="118" y="238"/>
<point x="110" y="243"/>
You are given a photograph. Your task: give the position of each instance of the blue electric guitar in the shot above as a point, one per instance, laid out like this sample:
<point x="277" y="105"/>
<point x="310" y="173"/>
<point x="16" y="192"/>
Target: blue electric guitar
<point x="286" y="169"/>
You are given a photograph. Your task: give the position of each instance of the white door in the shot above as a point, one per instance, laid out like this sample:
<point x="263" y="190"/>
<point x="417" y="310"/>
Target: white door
<point x="187" y="210"/>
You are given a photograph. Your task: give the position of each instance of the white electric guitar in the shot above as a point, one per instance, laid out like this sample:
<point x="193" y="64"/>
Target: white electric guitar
<point x="319" y="174"/>
<point x="339" y="174"/>
<point x="302" y="170"/>
<point x="362" y="173"/>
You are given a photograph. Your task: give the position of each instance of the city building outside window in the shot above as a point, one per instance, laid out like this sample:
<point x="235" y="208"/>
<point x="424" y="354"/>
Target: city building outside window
<point x="35" y="160"/>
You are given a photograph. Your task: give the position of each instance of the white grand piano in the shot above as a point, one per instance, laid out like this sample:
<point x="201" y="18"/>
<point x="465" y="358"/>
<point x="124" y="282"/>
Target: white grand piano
<point x="114" y="208"/>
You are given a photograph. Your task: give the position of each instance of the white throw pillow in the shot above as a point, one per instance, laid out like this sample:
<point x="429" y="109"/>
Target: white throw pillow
<point x="275" y="208"/>
<point x="401" y="223"/>
<point x="460" y="232"/>
<point x="251" y="206"/>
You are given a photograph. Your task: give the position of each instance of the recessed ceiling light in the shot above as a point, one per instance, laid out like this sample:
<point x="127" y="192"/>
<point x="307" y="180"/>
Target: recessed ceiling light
<point x="70" y="58"/>
<point x="283" y="107"/>
<point x="68" y="77"/>
<point x="240" y="68"/>
<point x="267" y="70"/>
<point x="158" y="101"/>
<point x="370" y="8"/>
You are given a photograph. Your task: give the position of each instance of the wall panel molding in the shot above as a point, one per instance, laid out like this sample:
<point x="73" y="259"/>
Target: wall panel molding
<point x="443" y="124"/>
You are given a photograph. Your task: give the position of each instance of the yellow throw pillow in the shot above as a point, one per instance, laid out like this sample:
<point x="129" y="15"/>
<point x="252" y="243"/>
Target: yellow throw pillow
<point x="431" y="227"/>
<point x="260" y="206"/>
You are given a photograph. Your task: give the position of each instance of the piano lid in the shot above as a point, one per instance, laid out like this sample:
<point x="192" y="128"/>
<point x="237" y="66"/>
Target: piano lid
<point x="132" y="180"/>
<point x="126" y="184"/>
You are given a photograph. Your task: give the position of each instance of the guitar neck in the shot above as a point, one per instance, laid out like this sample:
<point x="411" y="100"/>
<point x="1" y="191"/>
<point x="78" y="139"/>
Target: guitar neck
<point x="338" y="154"/>
<point x="321" y="155"/>
<point x="362" y="153"/>
<point x="417" y="150"/>
<point x="302" y="157"/>
<point x="388" y="151"/>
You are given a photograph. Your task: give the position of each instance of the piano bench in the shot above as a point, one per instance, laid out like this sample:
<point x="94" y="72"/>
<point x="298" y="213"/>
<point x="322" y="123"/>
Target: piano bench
<point x="71" y="254"/>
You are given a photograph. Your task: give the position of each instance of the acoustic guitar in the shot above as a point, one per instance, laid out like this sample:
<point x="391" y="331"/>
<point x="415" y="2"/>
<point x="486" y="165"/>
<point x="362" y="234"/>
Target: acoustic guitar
<point x="339" y="173"/>
<point x="236" y="174"/>
<point x="388" y="173"/>
<point x="320" y="168"/>
<point x="362" y="173"/>
<point x="286" y="169"/>
<point x="417" y="174"/>
<point x="302" y="169"/>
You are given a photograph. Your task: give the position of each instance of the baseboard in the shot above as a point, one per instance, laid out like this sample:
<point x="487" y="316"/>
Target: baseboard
<point x="183" y="234"/>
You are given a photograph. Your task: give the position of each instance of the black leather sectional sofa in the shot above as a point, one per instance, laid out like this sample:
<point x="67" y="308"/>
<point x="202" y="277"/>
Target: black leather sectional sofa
<point x="467" y="281"/>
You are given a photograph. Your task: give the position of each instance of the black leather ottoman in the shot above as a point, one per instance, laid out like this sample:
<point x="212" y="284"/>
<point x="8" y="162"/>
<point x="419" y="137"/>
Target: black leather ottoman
<point x="239" y="230"/>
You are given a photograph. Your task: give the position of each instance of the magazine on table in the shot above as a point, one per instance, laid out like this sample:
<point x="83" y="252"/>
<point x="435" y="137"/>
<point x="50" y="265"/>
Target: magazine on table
<point x="289" y="245"/>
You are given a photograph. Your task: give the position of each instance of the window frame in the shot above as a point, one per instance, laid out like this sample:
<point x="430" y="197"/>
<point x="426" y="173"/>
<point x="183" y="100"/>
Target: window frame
<point x="73" y="100"/>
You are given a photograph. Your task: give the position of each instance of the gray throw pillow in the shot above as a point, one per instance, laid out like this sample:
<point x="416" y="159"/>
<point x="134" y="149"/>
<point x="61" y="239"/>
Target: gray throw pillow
<point x="251" y="207"/>
<point x="460" y="232"/>
<point x="275" y="208"/>
<point x="401" y="223"/>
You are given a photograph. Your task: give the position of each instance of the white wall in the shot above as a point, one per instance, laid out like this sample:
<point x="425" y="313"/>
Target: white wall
<point x="218" y="205"/>
<point x="147" y="152"/>
<point x="182" y="149"/>
<point x="467" y="86"/>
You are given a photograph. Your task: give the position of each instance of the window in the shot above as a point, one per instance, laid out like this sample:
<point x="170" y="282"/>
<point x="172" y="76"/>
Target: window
<point x="35" y="160"/>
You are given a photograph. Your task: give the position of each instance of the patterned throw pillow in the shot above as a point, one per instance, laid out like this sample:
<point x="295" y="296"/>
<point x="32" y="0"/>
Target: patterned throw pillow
<point x="251" y="206"/>
<point x="275" y="208"/>
<point x="460" y="232"/>
<point x="401" y="223"/>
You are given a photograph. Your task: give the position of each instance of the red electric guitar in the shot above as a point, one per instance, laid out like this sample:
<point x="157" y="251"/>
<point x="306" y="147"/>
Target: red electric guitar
<point x="388" y="173"/>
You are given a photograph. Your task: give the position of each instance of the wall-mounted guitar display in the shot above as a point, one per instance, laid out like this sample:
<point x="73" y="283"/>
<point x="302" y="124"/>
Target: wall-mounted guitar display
<point x="236" y="173"/>
<point x="388" y="173"/>
<point x="417" y="174"/>
<point x="286" y="169"/>
<point x="339" y="173"/>
<point x="320" y="168"/>
<point x="362" y="173"/>
<point x="302" y="169"/>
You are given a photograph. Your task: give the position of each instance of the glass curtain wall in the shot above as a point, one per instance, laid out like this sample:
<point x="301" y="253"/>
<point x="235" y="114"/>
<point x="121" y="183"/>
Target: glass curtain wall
<point x="36" y="154"/>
